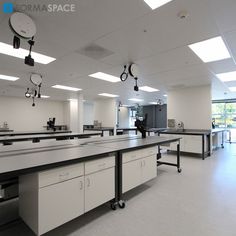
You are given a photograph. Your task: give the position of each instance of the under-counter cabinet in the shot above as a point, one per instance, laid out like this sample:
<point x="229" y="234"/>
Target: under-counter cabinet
<point x="51" y="198"/>
<point x="138" y="167"/>
<point x="99" y="182"/>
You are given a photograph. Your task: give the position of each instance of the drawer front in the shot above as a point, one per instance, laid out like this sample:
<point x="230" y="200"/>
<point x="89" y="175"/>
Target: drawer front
<point x="98" y="165"/>
<point x="61" y="174"/>
<point x="131" y="156"/>
<point x="146" y="152"/>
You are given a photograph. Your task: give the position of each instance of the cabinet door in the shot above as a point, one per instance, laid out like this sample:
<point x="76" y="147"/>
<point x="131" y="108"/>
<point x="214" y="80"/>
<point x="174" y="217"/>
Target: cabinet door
<point x="193" y="144"/>
<point x="149" y="168"/>
<point x="60" y="203"/>
<point x="131" y="175"/>
<point x="99" y="188"/>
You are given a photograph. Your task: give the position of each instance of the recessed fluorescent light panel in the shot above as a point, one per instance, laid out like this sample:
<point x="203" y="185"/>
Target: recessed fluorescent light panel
<point x="148" y="89"/>
<point x="153" y="103"/>
<point x="45" y="96"/>
<point x="226" y="77"/>
<point x="108" y="95"/>
<point x="232" y="89"/>
<point x="154" y="4"/>
<point x="165" y="95"/>
<point x="135" y="100"/>
<point x="211" y="50"/>
<point x="9" y="78"/>
<point x="72" y="100"/>
<point x="106" y="77"/>
<point x="66" y="88"/>
<point x="21" y="53"/>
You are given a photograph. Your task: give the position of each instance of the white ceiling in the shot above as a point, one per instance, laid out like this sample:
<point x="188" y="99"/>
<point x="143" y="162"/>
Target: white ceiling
<point x="156" y="40"/>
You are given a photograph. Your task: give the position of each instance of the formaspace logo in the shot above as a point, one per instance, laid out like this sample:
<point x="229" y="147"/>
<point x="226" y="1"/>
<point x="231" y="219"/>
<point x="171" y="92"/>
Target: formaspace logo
<point x="9" y="7"/>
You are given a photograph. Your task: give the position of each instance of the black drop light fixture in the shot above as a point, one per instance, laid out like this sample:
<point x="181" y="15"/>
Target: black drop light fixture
<point x="133" y="71"/>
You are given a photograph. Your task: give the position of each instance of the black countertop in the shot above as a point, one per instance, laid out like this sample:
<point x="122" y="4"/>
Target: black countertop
<point x="34" y="157"/>
<point x="186" y="131"/>
<point x="34" y="132"/>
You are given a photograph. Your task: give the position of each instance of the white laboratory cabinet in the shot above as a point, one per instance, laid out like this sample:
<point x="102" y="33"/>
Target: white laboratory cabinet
<point x="99" y="182"/>
<point x="48" y="199"/>
<point x="139" y="166"/>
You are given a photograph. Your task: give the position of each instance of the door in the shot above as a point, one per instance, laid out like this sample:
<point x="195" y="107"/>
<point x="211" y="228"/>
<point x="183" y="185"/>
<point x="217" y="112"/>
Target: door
<point x="131" y="175"/>
<point x="149" y="168"/>
<point x="60" y="203"/>
<point x="99" y="188"/>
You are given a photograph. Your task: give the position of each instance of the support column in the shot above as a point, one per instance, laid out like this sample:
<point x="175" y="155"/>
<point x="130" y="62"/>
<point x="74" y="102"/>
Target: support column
<point x="74" y="114"/>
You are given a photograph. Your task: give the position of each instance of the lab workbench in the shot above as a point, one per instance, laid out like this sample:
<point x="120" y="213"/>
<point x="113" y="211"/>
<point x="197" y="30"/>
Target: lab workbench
<point x="8" y="140"/>
<point x="101" y="129"/>
<point x="149" y="131"/>
<point x="193" y="140"/>
<point x="9" y="133"/>
<point x="102" y="168"/>
<point x="122" y="130"/>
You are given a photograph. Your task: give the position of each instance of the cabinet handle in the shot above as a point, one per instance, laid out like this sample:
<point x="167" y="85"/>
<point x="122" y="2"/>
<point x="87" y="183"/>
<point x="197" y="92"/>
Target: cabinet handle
<point x="81" y="185"/>
<point x="63" y="176"/>
<point x="88" y="182"/>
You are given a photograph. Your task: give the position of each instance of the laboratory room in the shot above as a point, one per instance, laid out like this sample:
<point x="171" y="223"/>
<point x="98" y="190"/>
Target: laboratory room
<point x="117" y="117"/>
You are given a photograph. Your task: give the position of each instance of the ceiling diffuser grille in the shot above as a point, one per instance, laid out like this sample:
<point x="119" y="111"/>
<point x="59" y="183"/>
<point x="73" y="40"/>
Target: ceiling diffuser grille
<point x="95" y="51"/>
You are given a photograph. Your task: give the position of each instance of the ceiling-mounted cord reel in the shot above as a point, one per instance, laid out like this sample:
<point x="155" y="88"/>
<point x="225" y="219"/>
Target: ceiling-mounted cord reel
<point x="133" y="71"/>
<point x="124" y="75"/>
<point x="35" y="92"/>
<point x="24" y="28"/>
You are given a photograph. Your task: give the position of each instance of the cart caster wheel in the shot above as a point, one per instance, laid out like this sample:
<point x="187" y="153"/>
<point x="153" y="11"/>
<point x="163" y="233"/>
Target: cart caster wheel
<point x="179" y="170"/>
<point x="113" y="206"/>
<point x="122" y="204"/>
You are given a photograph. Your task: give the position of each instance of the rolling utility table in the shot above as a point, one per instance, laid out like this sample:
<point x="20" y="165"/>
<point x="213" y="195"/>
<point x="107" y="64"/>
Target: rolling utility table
<point x="193" y="140"/>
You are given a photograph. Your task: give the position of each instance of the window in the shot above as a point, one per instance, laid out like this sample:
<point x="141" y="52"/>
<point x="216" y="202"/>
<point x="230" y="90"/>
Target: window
<point x="224" y="114"/>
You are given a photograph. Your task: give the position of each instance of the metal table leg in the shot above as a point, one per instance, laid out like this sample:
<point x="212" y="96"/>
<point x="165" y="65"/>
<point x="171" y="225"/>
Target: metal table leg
<point x="168" y="163"/>
<point x="222" y="141"/>
<point x="118" y="201"/>
<point x="203" y="147"/>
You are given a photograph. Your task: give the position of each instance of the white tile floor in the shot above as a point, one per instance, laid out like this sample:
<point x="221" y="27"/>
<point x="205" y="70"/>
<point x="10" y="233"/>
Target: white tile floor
<point x="201" y="201"/>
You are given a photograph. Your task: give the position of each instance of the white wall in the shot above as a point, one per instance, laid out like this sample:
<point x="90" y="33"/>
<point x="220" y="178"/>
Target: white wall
<point x="105" y="112"/>
<point x="21" y="116"/>
<point x="88" y="113"/>
<point x="191" y="106"/>
<point x="123" y="117"/>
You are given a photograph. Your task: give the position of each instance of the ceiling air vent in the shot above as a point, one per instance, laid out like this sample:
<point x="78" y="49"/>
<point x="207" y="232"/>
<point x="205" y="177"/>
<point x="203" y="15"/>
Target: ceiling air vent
<point x="95" y="51"/>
